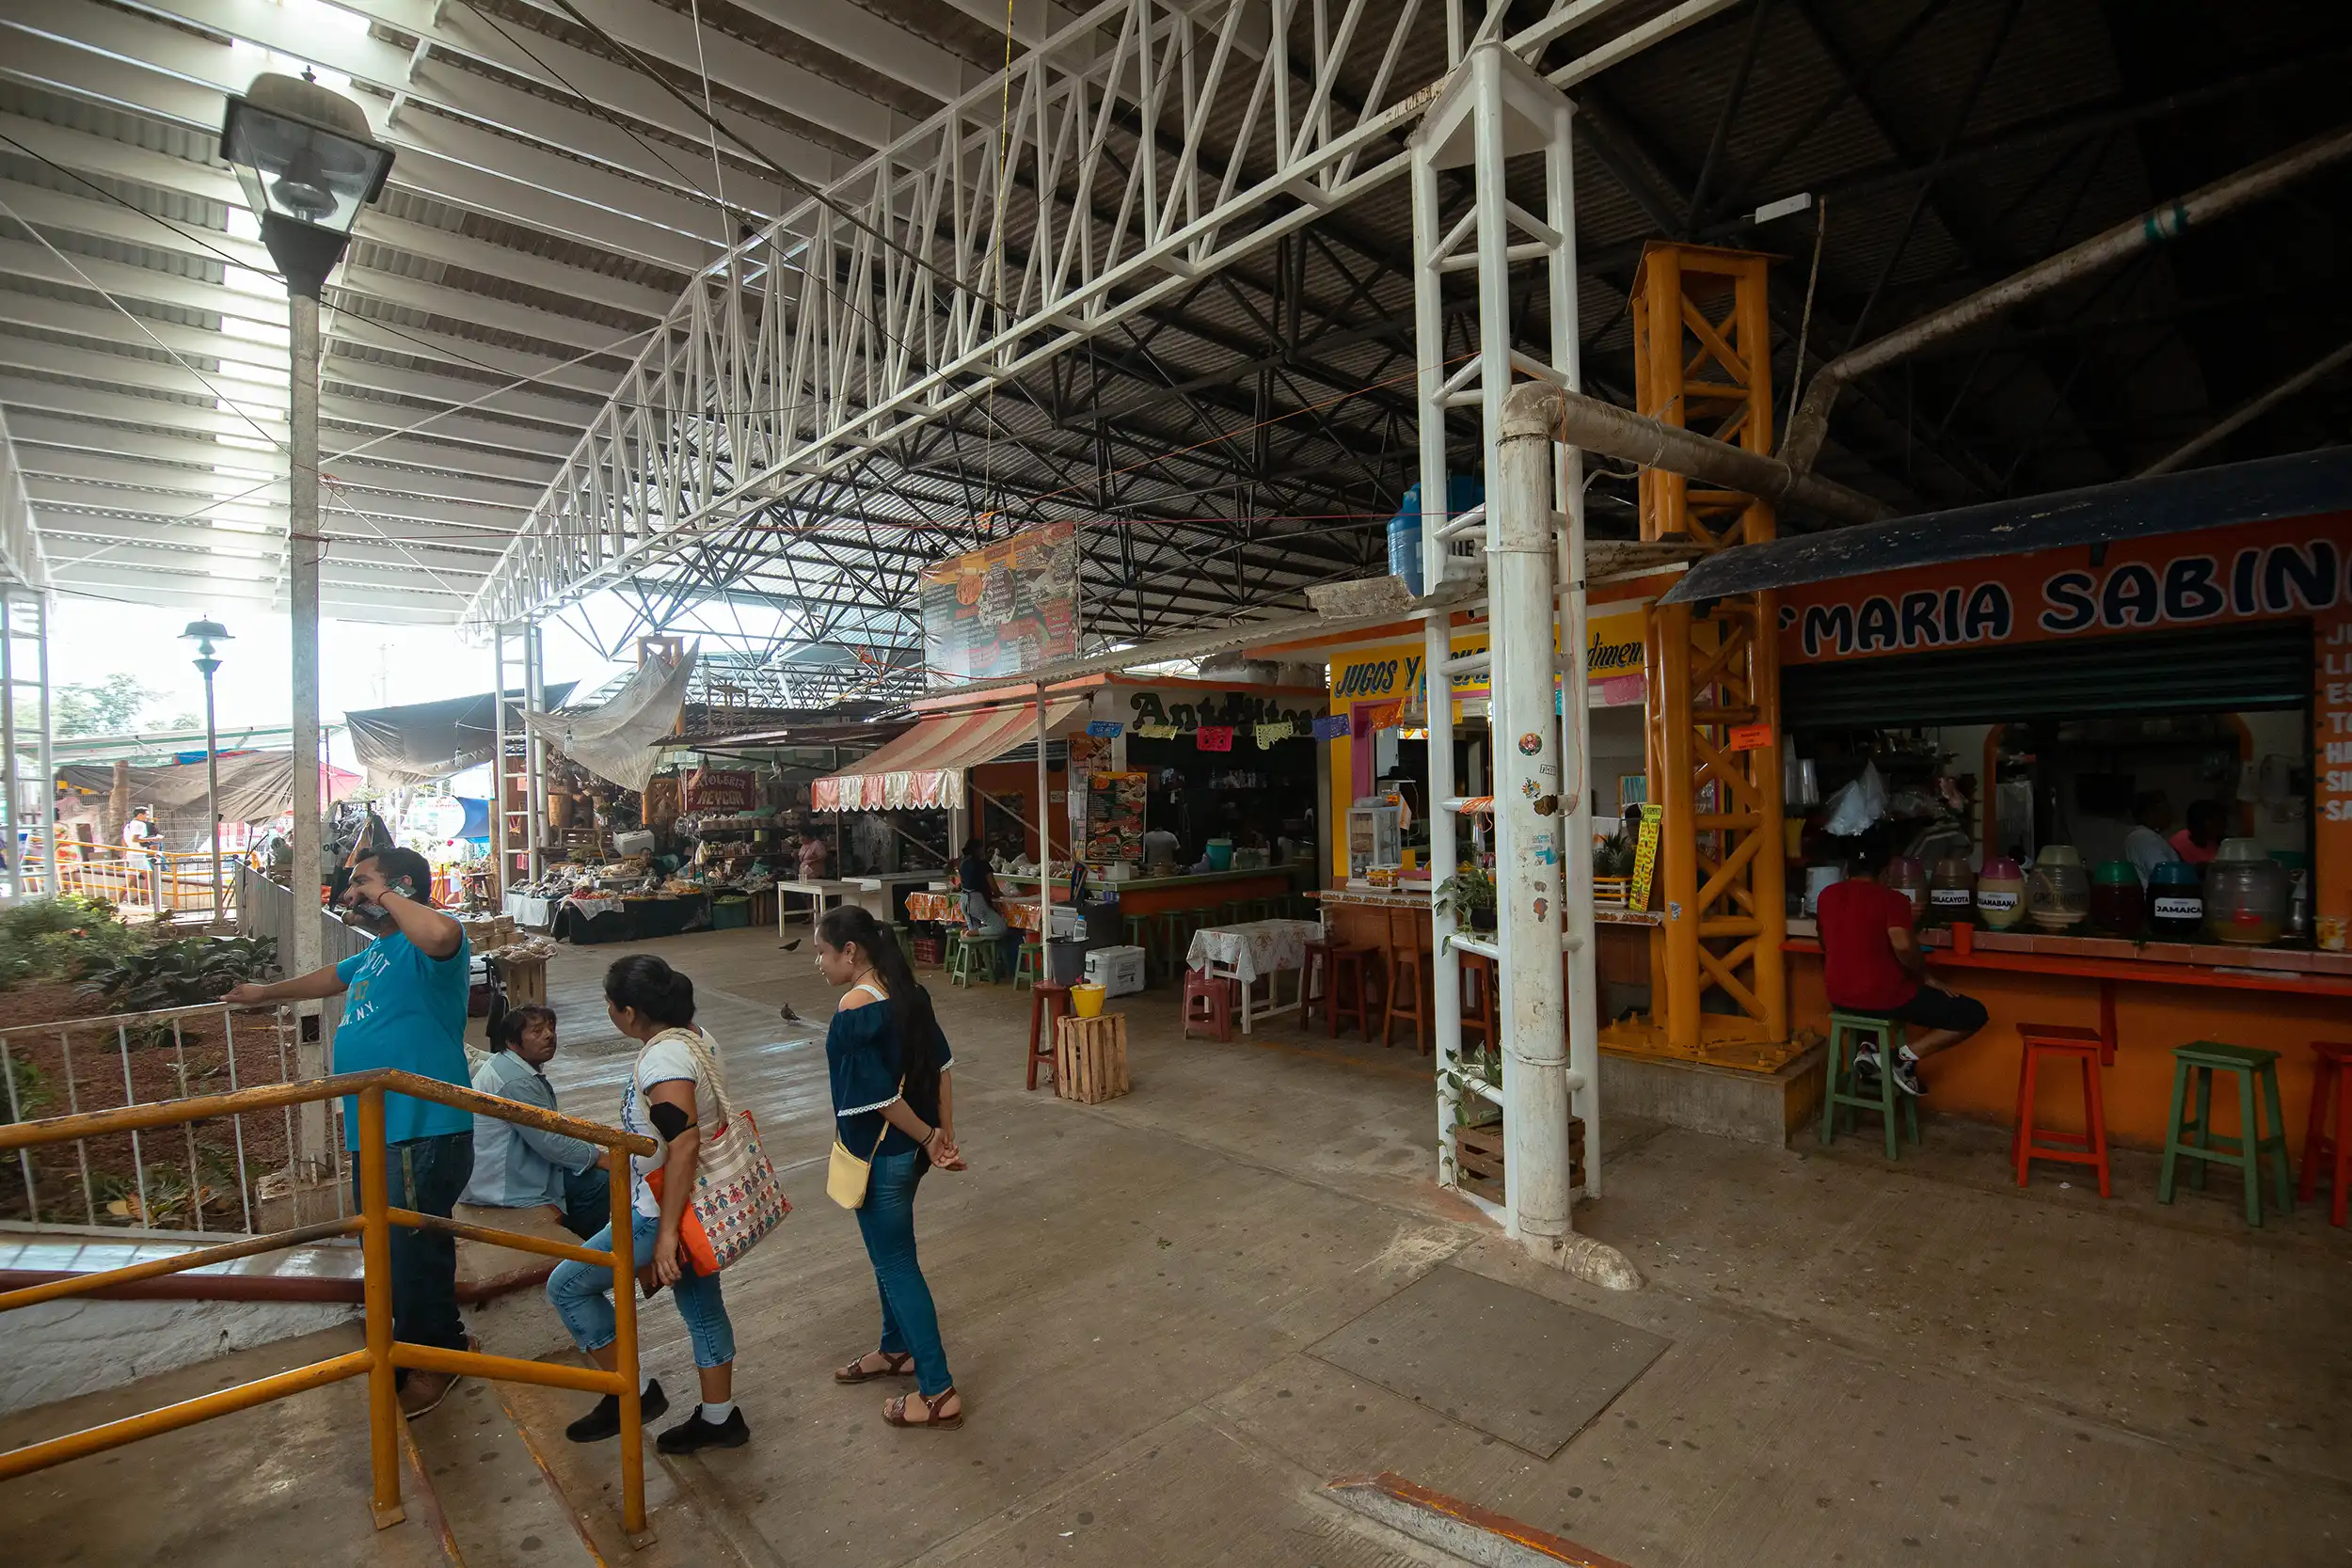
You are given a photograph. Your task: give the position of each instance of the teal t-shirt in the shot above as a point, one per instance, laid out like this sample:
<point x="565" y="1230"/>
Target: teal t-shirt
<point x="404" y="1009"/>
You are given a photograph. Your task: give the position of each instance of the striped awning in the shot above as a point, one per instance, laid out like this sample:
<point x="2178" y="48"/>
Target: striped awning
<point x="924" y="767"/>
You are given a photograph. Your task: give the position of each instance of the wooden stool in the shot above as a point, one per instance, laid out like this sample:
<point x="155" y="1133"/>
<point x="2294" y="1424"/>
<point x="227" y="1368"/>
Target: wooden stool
<point x="2031" y="1142"/>
<point x="1838" y="1098"/>
<point x="1092" y="1058"/>
<point x="2322" y="1149"/>
<point x="1174" y="939"/>
<point x="1140" y="935"/>
<point x="969" y="954"/>
<point x="1234" y="911"/>
<point x="1030" y="970"/>
<point x="1046" y="1000"/>
<point x="2183" y="1135"/>
<point x="906" y="941"/>
<point x="1216" y="998"/>
<point x="1333" y="964"/>
<point x="1479" y="976"/>
<point x="1408" y="977"/>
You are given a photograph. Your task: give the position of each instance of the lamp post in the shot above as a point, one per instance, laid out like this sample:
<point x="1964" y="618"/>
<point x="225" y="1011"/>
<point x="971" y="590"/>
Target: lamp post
<point x="307" y="162"/>
<point x="204" y="634"/>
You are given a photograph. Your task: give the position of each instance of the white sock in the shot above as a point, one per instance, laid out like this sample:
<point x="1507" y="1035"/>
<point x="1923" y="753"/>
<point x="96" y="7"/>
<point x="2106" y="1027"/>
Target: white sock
<point x="717" y="1414"/>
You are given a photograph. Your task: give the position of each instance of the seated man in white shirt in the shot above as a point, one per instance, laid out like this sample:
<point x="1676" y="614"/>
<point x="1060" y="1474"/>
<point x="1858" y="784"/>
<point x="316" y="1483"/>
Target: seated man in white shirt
<point x="1160" y="848"/>
<point x="2146" y="846"/>
<point x="521" y="1167"/>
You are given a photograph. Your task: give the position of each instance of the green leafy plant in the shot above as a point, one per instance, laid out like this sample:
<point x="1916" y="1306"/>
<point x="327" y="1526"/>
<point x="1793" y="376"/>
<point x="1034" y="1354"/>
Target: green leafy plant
<point x="1470" y="892"/>
<point x="27" y="1091"/>
<point x="181" y="973"/>
<point x="1471" y="1108"/>
<point x="1613" y="856"/>
<point x="67" y="937"/>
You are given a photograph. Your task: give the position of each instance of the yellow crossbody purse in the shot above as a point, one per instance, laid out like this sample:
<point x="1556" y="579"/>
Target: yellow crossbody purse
<point x="846" y="1175"/>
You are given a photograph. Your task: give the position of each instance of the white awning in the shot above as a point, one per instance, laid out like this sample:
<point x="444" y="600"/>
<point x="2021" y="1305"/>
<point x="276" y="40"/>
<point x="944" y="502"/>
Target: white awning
<point x="924" y="767"/>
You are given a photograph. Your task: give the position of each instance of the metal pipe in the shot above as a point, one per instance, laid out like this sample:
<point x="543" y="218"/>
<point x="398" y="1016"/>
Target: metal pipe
<point x="1529" y="770"/>
<point x="212" y="781"/>
<point x="375" y="1283"/>
<point x="1810" y="426"/>
<point x="1603" y="427"/>
<point x="2248" y="411"/>
<point x="302" y="569"/>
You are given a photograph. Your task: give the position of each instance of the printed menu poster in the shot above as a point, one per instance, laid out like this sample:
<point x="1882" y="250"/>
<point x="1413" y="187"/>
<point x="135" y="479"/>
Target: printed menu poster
<point x="1004" y="609"/>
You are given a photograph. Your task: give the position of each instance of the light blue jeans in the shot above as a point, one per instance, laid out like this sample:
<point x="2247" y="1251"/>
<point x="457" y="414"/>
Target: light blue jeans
<point x="910" y="1322"/>
<point x="581" y="1293"/>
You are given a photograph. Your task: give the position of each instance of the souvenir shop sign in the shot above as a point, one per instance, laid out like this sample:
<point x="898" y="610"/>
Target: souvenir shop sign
<point x="1184" y="711"/>
<point x="1002" y="610"/>
<point x="2171" y="582"/>
<point x="713" y="789"/>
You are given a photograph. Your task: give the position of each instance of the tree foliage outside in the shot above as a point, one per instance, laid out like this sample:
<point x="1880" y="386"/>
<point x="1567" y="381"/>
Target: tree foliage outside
<point x="109" y="706"/>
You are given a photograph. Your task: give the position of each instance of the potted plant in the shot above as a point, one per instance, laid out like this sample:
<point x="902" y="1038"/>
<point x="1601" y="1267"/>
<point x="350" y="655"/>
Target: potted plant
<point x="1469" y="894"/>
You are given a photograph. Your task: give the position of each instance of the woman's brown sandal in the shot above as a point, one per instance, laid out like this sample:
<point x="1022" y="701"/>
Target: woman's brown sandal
<point x="901" y="1365"/>
<point x="895" y="1411"/>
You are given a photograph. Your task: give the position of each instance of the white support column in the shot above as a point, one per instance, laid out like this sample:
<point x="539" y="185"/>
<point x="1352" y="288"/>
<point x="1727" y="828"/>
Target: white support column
<point x="1493" y="112"/>
<point x="9" y="764"/>
<point x="535" y="754"/>
<point x="45" y="836"/>
<point x="501" y="845"/>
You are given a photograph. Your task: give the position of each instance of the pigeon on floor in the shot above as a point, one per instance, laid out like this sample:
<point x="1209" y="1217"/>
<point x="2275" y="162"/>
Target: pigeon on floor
<point x="788" y="946"/>
<point x="790" y="1016"/>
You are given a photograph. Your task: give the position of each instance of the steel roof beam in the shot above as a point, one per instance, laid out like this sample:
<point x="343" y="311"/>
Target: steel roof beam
<point x="411" y="464"/>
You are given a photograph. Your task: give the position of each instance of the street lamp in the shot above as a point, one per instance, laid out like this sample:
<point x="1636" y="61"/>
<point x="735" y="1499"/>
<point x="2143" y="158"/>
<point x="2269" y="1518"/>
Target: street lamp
<point x="309" y="163"/>
<point x="204" y="634"/>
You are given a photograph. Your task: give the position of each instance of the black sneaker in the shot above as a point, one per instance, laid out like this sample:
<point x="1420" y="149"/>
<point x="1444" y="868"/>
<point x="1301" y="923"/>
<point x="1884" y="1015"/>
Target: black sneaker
<point x="1866" y="1071"/>
<point x="605" y="1419"/>
<point x="695" y="1434"/>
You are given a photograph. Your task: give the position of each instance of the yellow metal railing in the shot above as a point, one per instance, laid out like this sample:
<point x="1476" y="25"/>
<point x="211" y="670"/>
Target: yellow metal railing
<point x="179" y="880"/>
<point x="384" y="1355"/>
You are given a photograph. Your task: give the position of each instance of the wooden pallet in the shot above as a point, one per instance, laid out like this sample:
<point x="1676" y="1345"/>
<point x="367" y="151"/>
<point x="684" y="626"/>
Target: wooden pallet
<point x="1090" y="1058"/>
<point x="1478" y="1157"/>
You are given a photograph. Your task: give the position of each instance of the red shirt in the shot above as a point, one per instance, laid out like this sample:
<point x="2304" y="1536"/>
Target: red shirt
<point x="2189" y="850"/>
<point x="1859" y="968"/>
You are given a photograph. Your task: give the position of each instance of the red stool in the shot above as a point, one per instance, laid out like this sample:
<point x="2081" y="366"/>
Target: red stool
<point x="1332" y="964"/>
<point x="2030" y="1142"/>
<point x="1045" y="999"/>
<point x="1216" y="997"/>
<point x="2332" y="1082"/>
<point x="1478" y="998"/>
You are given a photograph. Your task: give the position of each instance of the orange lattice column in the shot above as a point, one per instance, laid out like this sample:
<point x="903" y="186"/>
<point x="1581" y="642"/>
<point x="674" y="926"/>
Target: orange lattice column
<point x="1702" y="347"/>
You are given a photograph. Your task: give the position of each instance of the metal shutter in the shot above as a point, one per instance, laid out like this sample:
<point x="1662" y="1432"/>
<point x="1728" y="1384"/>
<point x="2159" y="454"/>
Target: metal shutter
<point x="2267" y="666"/>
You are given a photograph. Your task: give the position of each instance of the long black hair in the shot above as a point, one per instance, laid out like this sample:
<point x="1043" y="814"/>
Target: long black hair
<point x="653" y="988"/>
<point x="846" y="924"/>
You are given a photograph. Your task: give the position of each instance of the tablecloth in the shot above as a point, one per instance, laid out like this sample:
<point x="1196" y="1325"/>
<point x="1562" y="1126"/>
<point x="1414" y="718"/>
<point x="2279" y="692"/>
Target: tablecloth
<point x="538" y="913"/>
<point x="1021" y="914"/>
<point x="1253" y="948"/>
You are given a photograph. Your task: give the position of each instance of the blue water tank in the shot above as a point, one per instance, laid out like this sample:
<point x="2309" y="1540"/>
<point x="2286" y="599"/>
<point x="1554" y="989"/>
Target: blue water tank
<point x="1462" y="493"/>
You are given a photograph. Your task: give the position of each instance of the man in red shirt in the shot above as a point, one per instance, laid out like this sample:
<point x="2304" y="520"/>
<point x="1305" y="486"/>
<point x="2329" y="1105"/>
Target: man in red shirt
<point x="2197" y="842"/>
<point x="1871" y="963"/>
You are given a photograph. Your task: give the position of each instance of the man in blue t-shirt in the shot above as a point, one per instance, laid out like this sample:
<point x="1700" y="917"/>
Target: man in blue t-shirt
<point x="405" y="1007"/>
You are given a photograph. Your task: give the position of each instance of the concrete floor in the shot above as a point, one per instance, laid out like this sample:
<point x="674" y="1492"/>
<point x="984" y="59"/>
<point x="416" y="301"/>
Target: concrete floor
<point x="1916" y="1365"/>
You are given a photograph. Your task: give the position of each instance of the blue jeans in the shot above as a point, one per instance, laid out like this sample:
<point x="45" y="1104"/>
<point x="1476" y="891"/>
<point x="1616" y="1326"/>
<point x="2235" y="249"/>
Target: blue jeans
<point x="910" y="1322"/>
<point x="426" y="1175"/>
<point x="587" y="1201"/>
<point x="581" y="1295"/>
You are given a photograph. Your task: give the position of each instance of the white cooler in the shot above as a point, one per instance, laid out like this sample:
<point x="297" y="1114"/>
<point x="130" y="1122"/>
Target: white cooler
<point x="1117" y="970"/>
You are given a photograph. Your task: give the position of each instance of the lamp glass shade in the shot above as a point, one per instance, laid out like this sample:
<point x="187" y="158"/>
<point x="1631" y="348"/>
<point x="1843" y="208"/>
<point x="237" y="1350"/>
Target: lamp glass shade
<point x="207" y="630"/>
<point x="303" y="153"/>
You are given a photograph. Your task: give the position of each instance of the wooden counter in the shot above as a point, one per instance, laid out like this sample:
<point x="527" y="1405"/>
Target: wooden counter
<point x="1208" y="890"/>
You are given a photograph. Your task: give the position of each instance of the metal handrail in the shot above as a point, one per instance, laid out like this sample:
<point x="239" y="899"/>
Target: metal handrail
<point x="384" y="1355"/>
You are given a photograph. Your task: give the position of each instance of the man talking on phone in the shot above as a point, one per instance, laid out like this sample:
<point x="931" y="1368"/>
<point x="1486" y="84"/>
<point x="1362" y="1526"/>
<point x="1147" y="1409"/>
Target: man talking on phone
<point x="405" y="1007"/>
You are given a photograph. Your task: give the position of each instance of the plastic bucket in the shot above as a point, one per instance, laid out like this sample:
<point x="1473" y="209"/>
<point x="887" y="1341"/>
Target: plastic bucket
<point x="1220" y="854"/>
<point x="1087" y="998"/>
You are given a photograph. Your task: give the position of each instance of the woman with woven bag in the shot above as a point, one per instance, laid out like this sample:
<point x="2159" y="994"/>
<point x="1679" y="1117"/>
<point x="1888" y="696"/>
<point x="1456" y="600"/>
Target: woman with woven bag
<point x="676" y="1097"/>
<point x="894" y="1119"/>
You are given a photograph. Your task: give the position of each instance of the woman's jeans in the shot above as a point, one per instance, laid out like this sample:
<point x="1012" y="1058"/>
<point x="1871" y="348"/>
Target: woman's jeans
<point x="581" y="1292"/>
<point x="910" y="1322"/>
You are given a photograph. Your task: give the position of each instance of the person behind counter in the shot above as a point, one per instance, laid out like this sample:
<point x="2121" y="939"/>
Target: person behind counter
<point x="2202" y="839"/>
<point x="2146" y="846"/>
<point x="1871" y="963"/>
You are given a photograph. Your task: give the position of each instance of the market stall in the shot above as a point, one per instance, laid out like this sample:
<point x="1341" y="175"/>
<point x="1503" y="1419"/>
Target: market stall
<point x="2105" y="772"/>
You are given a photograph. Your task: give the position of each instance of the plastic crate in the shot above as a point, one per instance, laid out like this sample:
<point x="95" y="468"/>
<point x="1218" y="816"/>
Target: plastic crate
<point x="1117" y="970"/>
<point x="728" y="913"/>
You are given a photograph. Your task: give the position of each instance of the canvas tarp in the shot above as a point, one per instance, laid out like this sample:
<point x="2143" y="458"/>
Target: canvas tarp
<point x="255" y="786"/>
<point x="924" y="767"/>
<point x="615" y="742"/>
<point x="420" y="742"/>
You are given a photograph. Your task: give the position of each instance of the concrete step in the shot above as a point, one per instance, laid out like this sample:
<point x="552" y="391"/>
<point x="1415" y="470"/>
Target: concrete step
<point x="503" y="1508"/>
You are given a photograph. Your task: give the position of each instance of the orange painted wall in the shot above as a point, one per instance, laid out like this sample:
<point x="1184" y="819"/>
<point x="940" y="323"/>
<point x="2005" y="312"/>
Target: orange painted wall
<point x="1006" y="780"/>
<point x="1979" y="1077"/>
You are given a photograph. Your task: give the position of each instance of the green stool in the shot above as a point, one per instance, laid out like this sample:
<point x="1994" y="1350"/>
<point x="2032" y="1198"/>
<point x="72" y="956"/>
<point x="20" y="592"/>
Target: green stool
<point x="1269" y="909"/>
<point x="1173" y="930"/>
<point x="968" y="955"/>
<point x="1847" y="1032"/>
<point x="1140" y="935"/>
<point x="1234" y="911"/>
<point x="1031" y="968"/>
<point x="906" y="942"/>
<point x="2194" y="1136"/>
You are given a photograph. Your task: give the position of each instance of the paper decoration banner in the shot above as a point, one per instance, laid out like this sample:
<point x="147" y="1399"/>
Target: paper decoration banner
<point x="1215" y="738"/>
<point x="1268" y="734"/>
<point x="1367" y="721"/>
<point x="1331" y="728"/>
<point x="1155" y="732"/>
<point x="1106" y="728"/>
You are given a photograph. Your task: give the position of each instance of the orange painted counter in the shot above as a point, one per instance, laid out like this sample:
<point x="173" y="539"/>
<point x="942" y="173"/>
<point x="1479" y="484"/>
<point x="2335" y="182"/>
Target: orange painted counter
<point x="2156" y="996"/>
<point x="1208" y="890"/>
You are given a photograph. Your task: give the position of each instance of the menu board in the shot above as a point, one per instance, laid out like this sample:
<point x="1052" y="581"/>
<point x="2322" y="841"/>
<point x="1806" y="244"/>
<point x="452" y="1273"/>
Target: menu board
<point x="1115" y="803"/>
<point x="1004" y="609"/>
